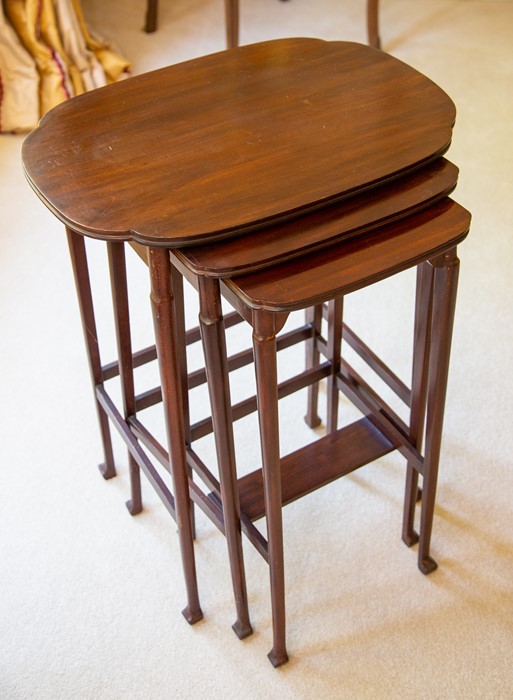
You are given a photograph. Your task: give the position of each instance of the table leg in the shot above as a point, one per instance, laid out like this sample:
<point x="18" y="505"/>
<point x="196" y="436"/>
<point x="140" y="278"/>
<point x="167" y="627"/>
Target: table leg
<point x="177" y="282"/>
<point x="163" y="307"/>
<point x="421" y="341"/>
<point x="151" y="16"/>
<point x="231" y="8"/>
<point x="85" y="301"/>
<point x="446" y="269"/>
<point x="313" y="316"/>
<point x="214" y="345"/>
<point x="117" y="267"/>
<point x="335" y="309"/>
<point x="264" y="346"/>
<point x="373" y="23"/>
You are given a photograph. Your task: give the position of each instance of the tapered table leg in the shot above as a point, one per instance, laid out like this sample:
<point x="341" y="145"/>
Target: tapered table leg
<point x="313" y="315"/>
<point x="181" y="347"/>
<point x="85" y="301"/>
<point x="446" y="268"/>
<point x="421" y="341"/>
<point x="264" y="346"/>
<point x="117" y="267"/>
<point x="214" y="346"/>
<point x="166" y="337"/>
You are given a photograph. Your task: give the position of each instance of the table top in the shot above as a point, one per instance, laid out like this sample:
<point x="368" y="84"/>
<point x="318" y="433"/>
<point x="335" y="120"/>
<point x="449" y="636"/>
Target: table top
<point x="362" y="214"/>
<point x="353" y="264"/>
<point x="230" y="142"/>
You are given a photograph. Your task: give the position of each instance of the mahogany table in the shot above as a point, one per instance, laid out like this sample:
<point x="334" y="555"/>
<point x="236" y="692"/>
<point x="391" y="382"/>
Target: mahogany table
<point x="298" y="142"/>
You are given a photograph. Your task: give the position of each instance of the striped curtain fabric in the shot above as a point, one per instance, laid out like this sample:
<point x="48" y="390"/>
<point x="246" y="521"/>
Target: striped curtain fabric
<point x="47" y="55"/>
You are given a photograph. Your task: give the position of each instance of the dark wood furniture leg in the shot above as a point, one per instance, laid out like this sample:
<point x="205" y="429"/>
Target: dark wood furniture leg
<point x="214" y="346"/>
<point x="181" y="346"/>
<point x="85" y="301"/>
<point x="264" y="346"/>
<point x="231" y="9"/>
<point x="446" y="269"/>
<point x="313" y="316"/>
<point x="335" y="307"/>
<point x="233" y="22"/>
<point x="164" y="318"/>
<point x="421" y="341"/>
<point x="373" y="23"/>
<point x="151" y="16"/>
<point x="117" y="267"/>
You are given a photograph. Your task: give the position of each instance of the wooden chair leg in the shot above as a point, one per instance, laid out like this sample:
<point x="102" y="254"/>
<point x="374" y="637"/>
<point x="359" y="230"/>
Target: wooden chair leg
<point x="264" y="347"/>
<point x="151" y="16"/>
<point x="446" y="268"/>
<point x="164" y="319"/>
<point x="231" y="8"/>
<point x="78" y="256"/>
<point x="373" y="23"/>
<point x="117" y="267"/>
<point x="421" y="341"/>
<point x="214" y="346"/>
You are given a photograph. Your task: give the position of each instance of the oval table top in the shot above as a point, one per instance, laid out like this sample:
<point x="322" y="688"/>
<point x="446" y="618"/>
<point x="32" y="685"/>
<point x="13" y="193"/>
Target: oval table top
<point x="233" y="141"/>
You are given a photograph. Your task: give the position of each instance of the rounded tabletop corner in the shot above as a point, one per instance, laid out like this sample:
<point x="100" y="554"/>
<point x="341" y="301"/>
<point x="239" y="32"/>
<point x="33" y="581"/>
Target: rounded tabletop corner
<point x="229" y="142"/>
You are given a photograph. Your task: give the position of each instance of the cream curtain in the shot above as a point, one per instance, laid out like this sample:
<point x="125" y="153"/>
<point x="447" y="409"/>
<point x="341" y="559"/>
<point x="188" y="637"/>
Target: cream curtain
<point x="46" y="56"/>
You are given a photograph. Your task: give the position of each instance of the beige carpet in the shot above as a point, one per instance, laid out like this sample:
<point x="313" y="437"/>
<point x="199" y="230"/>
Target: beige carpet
<point x="90" y="598"/>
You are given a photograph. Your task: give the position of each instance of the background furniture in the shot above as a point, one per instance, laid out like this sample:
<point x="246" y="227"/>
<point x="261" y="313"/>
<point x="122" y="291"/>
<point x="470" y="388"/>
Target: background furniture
<point x="232" y="21"/>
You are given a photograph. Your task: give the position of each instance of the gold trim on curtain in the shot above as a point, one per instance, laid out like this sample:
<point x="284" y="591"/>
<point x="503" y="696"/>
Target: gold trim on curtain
<point x="67" y="58"/>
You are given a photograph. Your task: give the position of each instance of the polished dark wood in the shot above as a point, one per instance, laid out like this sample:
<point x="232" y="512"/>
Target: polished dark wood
<point x="306" y="234"/>
<point x="212" y="333"/>
<point x="117" y="266"/>
<point x="265" y="298"/>
<point x="334" y="456"/>
<point x="150" y="24"/>
<point x="420" y="367"/>
<point x="353" y="264"/>
<point x="324" y="161"/>
<point x="164" y="314"/>
<point x="373" y="23"/>
<point x="78" y="256"/>
<point x="313" y="316"/>
<point x="446" y="269"/>
<point x="325" y="118"/>
<point x="101" y="374"/>
<point x="231" y="13"/>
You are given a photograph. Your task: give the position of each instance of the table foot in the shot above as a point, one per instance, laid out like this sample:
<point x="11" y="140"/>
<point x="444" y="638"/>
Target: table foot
<point x="277" y="659"/>
<point x="107" y="471"/>
<point x="192" y="616"/>
<point x="242" y="629"/>
<point x="313" y="421"/>
<point x="133" y="508"/>
<point x="410" y="538"/>
<point x="427" y="565"/>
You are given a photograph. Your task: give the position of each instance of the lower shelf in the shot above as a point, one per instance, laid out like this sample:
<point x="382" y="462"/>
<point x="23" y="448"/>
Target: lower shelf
<point x="317" y="464"/>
